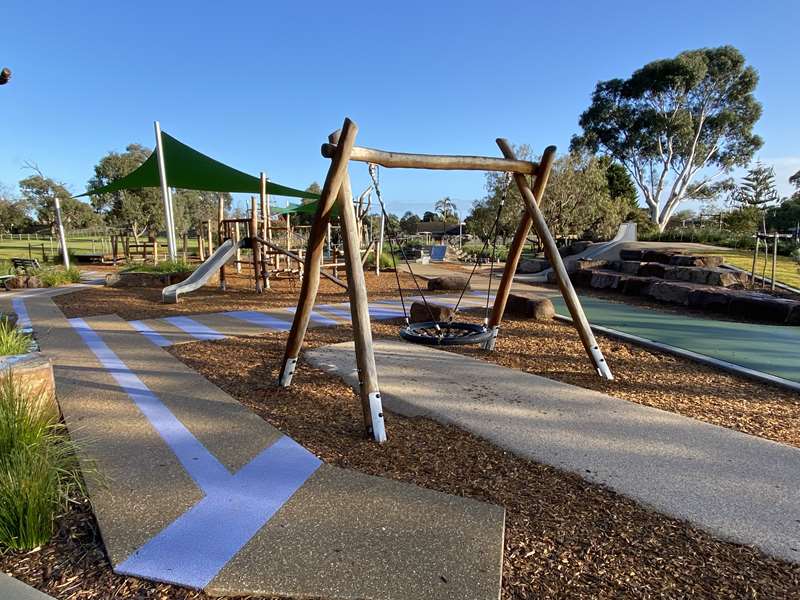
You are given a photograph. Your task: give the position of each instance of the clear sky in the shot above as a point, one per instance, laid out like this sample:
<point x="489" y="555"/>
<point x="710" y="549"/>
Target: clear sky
<point x="260" y="85"/>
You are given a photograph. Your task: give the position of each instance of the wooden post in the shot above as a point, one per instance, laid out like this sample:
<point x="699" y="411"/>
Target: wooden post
<point x="518" y="244"/>
<point x="201" y="247"/>
<point x="221" y="237"/>
<point x="236" y="240"/>
<point x="774" y="258"/>
<point x="210" y="238"/>
<point x="371" y="403"/>
<point x="254" y="246"/>
<point x="155" y="251"/>
<point x="562" y="277"/>
<point x="316" y="240"/>
<point x="265" y="230"/>
<point x="755" y="258"/>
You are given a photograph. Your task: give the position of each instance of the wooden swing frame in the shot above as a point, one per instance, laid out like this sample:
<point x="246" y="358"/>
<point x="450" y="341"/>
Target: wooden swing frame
<point x="341" y="150"/>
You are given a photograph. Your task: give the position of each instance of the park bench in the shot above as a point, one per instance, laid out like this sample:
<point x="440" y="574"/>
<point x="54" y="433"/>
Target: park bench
<point x="26" y="265"/>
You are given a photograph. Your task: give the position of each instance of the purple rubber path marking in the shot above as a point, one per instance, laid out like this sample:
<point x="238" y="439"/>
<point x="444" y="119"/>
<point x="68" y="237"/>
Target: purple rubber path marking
<point x="259" y="318"/>
<point x="194" y="328"/>
<point x="23" y="319"/>
<point x="193" y="549"/>
<point x="150" y="334"/>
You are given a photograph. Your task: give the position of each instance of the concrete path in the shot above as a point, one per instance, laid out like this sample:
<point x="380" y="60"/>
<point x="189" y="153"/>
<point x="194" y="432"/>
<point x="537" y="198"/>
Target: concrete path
<point x="198" y="491"/>
<point x="13" y="589"/>
<point x="736" y="486"/>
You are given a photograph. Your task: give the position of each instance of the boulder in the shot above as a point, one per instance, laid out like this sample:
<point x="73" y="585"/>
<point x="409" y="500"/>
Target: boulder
<point x="672" y="292"/>
<point x="726" y="278"/>
<point x="583" y="264"/>
<point x="794" y="316"/>
<point x="530" y="306"/>
<point x="762" y="307"/>
<point x="687" y="260"/>
<point x="129" y="279"/>
<point x="448" y="282"/>
<point x="420" y="314"/>
<point x="34" y="373"/>
<point x="634" y="255"/>
<point x="16" y="283"/>
<point x="630" y="267"/>
<point x="651" y="269"/>
<point x="533" y="265"/>
<point x="580" y="277"/>
<point x="711" y="299"/>
<point x="657" y="256"/>
<point x="631" y="285"/>
<point x="697" y="274"/>
<point x="33" y="281"/>
<point x="605" y="280"/>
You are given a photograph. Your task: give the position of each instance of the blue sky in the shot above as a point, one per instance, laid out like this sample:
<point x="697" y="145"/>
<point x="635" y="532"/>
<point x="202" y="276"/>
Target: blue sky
<point x="259" y="85"/>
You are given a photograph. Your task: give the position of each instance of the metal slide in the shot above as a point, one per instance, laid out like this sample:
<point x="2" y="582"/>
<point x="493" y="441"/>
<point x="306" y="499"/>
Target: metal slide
<point x="203" y="273"/>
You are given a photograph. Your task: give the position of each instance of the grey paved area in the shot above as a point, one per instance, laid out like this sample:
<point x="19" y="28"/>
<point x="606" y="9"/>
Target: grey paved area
<point x="13" y="589"/>
<point x="142" y="419"/>
<point x="738" y="487"/>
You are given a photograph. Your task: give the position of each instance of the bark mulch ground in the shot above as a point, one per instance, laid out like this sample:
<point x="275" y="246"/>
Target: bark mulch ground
<point x="566" y="538"/>
<point x="145" y="303"/>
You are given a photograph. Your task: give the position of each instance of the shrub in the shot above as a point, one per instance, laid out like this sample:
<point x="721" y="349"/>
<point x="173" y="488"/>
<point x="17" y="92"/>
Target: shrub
<point x="38" y="468"/>
<point x="386" y="260"/>
<point x="56" y="276"/>
<point x="12" y="340"/>
<point x="167" y="266"/>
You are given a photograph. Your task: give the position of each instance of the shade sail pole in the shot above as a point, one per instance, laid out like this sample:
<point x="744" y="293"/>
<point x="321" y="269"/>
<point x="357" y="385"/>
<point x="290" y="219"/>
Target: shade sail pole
<point x="167" y="194"/>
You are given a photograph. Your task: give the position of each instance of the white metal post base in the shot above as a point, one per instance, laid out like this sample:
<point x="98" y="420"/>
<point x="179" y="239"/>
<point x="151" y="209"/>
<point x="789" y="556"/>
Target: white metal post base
<point x="376" y="410"/>
<point x="285" y="379"/>
<point x="489" y="344"/>
<point x="602" y="365"/>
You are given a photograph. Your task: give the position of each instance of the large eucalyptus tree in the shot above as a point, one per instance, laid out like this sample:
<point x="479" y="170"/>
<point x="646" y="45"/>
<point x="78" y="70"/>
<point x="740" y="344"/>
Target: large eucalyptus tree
<point x="676" y="125"/>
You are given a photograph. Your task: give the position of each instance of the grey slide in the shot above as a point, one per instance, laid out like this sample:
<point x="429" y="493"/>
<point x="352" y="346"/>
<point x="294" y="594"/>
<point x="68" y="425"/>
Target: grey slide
<point x="626" y="233"/>
<point x="202" y="274"/>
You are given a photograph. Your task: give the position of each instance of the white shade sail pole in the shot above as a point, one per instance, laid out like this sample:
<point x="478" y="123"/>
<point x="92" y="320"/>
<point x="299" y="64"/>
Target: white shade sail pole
<point x="61" y="237"/>
<point x="167" y="194"/>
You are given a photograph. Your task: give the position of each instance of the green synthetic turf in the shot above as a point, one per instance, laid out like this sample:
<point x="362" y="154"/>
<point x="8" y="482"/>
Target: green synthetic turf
<point x="772" y="349"/>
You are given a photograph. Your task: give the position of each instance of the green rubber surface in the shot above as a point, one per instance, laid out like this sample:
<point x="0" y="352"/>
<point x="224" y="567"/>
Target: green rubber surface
<point x="772" y="349"/>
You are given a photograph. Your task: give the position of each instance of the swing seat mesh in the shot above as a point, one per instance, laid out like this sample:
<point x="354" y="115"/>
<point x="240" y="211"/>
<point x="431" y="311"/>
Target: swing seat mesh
<point x="448" y="334"/>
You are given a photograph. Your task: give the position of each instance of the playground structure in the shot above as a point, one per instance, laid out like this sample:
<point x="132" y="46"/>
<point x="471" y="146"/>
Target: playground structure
<point x="337" y="193"/>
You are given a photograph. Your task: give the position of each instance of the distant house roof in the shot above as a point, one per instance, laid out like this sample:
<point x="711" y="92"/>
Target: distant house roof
<point x="437" y="228"/>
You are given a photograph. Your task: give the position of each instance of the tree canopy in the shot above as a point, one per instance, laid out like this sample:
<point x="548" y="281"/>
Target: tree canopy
<point x="757" y="188"/>
<point x="676" y="124"/>
<point x="140" y="211"/>
<point x="39" y="193"/>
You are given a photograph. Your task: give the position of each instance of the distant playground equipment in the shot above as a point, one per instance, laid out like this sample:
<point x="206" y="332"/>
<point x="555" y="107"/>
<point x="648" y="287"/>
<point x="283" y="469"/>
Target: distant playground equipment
<point x="337" y="193"/>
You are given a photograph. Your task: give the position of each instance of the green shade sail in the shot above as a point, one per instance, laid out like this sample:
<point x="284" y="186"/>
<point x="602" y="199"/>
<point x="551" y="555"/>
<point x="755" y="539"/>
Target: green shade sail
<point x="189" y="169"/>
<point x="305" y="208"/>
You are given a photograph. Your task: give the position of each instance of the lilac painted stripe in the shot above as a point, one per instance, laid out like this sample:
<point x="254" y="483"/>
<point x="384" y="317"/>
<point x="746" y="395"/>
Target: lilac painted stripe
<point x="195" y="329"/>
<point x="201" y="465"/>
<point x="23" y="318"/>
<point x="148" y="332"/>
<point x="342" y="311"/>
<point x="195" y="547"/>
<point x="258" y="318"/>
<point x="316" y="318"/>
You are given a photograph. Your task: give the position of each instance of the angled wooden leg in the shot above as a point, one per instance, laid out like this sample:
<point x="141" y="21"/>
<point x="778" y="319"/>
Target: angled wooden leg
<point x="517" y="245"/>
<point x="562" y="277"/>
<point x="369" y="393"/>
<point x="316" y="239"/>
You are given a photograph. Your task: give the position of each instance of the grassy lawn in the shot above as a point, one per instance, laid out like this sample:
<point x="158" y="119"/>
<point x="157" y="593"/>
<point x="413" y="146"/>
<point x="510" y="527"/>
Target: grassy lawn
<point x="786" y="270"/>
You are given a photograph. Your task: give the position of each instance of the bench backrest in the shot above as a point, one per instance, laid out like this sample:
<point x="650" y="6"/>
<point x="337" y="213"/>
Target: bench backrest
<point x="25" y="264"/>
